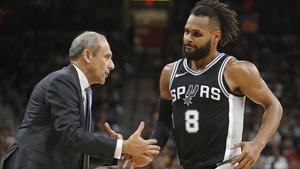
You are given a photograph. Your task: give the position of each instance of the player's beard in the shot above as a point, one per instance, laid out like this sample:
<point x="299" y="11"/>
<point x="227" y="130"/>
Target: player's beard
<point x="199" y="53"/>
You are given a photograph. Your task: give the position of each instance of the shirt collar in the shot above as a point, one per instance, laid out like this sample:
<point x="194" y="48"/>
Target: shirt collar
<point x="84" y="83"/>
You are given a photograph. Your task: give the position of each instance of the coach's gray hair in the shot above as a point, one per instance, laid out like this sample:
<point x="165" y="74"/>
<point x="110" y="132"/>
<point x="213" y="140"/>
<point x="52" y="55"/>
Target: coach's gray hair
<point x="86" y="40"/>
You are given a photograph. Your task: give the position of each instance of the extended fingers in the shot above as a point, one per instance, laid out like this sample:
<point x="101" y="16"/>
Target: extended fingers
<point x="151" y="141"/>
<point x="236" y="162"/>
<point x="243" y="162"/>
<point x="140" y="129"/>
<point x="247" y="165"/>
<point x="152" y="152"/>
<point x="153" y="147"/>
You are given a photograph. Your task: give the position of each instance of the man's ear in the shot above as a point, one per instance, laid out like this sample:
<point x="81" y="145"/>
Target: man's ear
<point x="216" y="37"/>
<point x="86" y="54"/>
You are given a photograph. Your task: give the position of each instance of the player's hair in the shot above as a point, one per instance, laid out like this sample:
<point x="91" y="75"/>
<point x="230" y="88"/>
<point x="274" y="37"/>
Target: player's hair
<point x="220" y="14"/>
<point x="86" y="40"/>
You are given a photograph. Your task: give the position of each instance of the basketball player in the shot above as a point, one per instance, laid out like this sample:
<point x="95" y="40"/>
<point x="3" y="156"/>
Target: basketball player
<point x="202" y="96"/>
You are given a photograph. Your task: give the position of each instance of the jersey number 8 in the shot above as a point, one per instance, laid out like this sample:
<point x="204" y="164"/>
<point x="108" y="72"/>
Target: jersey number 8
<point x="192" y="121"/>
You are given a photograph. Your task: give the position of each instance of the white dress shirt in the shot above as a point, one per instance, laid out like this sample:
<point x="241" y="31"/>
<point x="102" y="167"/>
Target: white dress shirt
<point x="84" y="83"/>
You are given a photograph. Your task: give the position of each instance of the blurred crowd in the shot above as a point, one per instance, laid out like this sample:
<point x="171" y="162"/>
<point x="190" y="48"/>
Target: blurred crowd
<point x="31" y="48"/>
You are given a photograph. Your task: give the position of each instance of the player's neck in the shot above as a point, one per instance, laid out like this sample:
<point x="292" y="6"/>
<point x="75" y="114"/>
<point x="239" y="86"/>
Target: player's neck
<point x="202" y="63"/>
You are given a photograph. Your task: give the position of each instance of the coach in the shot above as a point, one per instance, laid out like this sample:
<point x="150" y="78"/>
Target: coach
<point x="56" y="129"/>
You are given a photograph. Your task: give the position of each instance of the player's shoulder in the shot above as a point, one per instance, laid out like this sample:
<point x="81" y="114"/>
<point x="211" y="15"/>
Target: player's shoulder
<point x="237" y="67"/>
<point x="168" y="68"/>
<point x="166" y="72"/>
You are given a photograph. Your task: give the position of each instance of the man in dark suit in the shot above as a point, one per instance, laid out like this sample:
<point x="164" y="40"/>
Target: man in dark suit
<point x="56" y="130"/>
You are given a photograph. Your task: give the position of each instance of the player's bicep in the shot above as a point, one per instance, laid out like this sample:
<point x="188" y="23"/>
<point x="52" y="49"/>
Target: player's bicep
<point x="253" y="86"/>
<point x="259" y="93"/>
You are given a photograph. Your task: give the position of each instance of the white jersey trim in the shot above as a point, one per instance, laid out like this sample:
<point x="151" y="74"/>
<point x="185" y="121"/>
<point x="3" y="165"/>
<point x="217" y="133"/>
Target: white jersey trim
<point x="235" y="126"/>
<point x="195" y="73"/>
<point x="173" y="73"/>
<point x="220" y="77"/>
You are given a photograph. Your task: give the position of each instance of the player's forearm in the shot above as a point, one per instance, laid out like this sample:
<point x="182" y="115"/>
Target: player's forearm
<point x="164" y="123"/>
<point x="270" y="122"/>
<point x="161" y="134"/>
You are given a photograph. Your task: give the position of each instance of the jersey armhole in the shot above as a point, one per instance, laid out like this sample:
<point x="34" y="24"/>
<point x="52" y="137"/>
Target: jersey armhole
<point x="173" y="73"/>
<point x="222" y="82"/>
<point x="228" y="89"/>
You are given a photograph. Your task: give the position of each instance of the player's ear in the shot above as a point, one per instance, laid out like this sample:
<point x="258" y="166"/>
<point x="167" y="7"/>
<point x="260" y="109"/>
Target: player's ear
<point x="216" y="37"/>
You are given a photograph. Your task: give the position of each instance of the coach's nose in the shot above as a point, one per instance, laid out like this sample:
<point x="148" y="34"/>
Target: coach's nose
<point x="111" y="65"/>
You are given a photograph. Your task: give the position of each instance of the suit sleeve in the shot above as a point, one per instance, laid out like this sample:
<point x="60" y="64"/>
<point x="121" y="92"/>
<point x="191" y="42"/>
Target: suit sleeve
<point x="62" y="99"/>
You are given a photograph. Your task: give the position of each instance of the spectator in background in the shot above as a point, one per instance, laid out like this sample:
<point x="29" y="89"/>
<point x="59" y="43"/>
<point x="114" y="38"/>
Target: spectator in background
<point x="6" y="137"/>
<point x="272" y="159"/>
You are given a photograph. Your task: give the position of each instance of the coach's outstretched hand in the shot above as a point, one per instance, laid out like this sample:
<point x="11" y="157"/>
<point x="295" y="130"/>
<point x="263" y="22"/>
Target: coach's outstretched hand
<point x="135" y="145"/>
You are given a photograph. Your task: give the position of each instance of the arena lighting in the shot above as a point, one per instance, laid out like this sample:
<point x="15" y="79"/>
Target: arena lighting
<point x="150" y="3"/>
<point x="150" y="0"/>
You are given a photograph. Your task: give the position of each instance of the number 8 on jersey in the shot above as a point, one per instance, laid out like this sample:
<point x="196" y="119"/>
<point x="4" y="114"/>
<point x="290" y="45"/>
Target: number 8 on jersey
<point x="192" y="121"/>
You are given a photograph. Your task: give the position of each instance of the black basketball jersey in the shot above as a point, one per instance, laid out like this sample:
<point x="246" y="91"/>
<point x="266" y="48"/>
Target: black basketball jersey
<point x="207" y="118"/>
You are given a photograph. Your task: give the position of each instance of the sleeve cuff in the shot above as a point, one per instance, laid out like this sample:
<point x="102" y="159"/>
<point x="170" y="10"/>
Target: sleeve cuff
<point x="118" y="151"/>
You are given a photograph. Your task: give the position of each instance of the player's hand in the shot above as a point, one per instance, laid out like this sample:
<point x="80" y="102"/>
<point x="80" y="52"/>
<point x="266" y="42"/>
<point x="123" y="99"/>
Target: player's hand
<point x="248" y="157"/>
<point x="112" y="134"/>
<point x="141" y="161"/>
<point x="137" y="146"/>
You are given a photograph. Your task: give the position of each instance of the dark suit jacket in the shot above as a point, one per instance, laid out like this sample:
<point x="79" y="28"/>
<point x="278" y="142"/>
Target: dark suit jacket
<point x="52" y="134"/>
